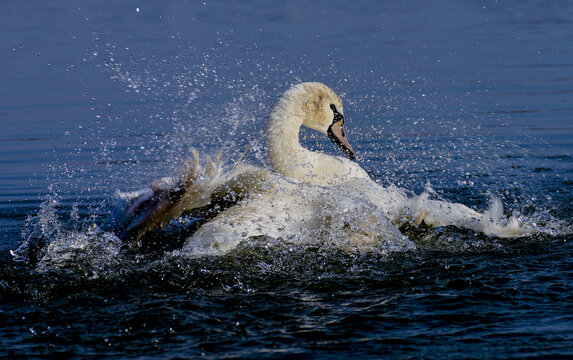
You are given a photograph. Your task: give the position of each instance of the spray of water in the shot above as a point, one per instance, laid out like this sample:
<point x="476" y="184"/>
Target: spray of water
<point x="180" y="110"/>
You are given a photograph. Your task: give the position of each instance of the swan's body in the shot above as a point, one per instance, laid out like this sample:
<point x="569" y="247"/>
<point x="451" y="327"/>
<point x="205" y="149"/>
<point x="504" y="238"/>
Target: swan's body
<point x="308" y="196"/>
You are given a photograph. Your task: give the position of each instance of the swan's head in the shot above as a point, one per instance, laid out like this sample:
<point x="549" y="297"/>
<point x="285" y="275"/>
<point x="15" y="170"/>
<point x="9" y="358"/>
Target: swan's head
<point x="320" y="109"/>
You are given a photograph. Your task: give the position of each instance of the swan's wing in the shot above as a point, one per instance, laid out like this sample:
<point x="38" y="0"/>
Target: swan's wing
<point x="402" y="209"/>
<point x="201" y="192"/>
<point x="235" y="185"/>
<point x="140" y="211"/>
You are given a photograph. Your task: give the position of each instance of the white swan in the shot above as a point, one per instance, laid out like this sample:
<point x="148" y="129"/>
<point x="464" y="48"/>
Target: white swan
<point x="309" y="195"/>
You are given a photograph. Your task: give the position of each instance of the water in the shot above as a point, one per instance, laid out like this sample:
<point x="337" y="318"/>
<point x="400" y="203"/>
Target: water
<point x="469" y="99"/>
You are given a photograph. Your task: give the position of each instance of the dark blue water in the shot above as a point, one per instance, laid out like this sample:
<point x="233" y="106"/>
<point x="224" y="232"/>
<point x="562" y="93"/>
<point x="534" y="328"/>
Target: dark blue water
<point x="471" y="99"/>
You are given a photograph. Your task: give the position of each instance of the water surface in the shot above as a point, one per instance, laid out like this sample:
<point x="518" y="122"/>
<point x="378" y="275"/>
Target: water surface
<point x="469" y="99"/>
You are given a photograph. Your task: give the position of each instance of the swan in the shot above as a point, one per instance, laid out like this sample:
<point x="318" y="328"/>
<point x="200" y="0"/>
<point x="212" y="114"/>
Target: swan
<point x="305" y="196"/>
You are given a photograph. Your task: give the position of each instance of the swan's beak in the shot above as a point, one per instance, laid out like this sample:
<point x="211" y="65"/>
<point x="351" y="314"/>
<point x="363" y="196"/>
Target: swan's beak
<point x="337" y="135"/>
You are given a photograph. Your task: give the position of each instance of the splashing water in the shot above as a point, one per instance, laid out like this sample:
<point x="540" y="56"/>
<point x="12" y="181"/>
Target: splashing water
<point x="360" y="216"/>
<point x="187" y="107"/>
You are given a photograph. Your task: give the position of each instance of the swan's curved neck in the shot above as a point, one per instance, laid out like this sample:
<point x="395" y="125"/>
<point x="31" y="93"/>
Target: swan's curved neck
<point x="302" y="105"/>
<point x="283" y="146"/>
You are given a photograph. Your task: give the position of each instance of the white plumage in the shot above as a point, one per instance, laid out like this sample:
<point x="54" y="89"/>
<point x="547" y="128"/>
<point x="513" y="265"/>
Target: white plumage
<point x="307" y="196"/>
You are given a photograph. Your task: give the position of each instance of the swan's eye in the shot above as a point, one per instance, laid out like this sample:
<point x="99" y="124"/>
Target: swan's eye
<point x="337" y="116"/>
